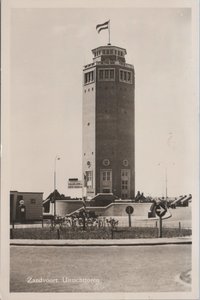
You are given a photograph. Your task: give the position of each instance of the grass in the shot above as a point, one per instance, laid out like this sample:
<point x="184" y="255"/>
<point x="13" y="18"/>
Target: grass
<point x="96" y="233"/>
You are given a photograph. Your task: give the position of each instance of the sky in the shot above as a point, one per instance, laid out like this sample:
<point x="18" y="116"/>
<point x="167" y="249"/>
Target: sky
<point x="48" y="49"/>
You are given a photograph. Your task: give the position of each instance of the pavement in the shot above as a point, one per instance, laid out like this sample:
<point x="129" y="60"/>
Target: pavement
<point x="95" y="242"/>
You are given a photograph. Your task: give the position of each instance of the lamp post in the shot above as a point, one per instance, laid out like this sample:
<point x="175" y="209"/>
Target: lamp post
<point x="166" y="176"/>
<point x="160" y="164"/>
<point x="56" y="158"/>
<point x="166" y="183"/>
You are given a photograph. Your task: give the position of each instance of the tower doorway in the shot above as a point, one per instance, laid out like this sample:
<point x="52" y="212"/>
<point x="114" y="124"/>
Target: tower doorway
<point x="106" y="181"/>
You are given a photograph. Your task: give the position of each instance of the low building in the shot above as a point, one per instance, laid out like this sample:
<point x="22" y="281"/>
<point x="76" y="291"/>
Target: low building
<point x="25" y="206"/>
<point x="64" y="204"/>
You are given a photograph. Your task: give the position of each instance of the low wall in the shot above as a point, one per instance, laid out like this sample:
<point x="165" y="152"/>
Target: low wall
<point x="119" y="209"/>
<point x="65" y="207"/>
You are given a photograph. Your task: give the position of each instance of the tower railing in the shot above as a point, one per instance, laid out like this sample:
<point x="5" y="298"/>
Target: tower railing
<point x="108" y="63"/>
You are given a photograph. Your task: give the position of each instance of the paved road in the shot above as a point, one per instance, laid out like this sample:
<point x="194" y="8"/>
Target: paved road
<point x="99" y="269"/>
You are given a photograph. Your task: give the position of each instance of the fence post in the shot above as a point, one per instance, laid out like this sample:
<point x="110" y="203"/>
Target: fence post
<point x="157" y="229"/>
<point x="112" y="233"/>
<point x="160" y="227"/>
<point x="84" y="222"/>
<point x="179" y="228"/>
<point x="58" y="233"/>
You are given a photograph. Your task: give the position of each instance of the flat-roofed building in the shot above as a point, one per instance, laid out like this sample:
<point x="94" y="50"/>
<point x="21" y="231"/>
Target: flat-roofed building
<point x="26" y="206"/>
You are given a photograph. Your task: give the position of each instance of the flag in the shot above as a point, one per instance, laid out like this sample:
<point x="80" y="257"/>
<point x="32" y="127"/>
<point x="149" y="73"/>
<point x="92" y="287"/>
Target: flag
<point x="103" y="26"/>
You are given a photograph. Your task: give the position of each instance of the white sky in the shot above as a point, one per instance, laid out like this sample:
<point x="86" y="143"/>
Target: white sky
<point x="49" y="47"/>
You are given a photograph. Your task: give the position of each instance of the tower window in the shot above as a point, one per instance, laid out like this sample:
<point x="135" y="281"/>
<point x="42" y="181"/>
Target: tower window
<point x="125" y="162"/>
<point x="111" y="74"/>
<point x="125" y="76"/>
<point x="89" y="181"/>
<point x="124" y="184"/>
<point x="124" y="173"/>
<point x="106" y="162"/>
<point x="101" y="74"/>
<point x="106" y="74"/>
<point x="89" y="77"/>
<point x="106" y="175"/>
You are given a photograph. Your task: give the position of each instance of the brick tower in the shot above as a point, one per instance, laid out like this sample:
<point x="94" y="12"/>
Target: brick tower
<point x="108" y="124"/>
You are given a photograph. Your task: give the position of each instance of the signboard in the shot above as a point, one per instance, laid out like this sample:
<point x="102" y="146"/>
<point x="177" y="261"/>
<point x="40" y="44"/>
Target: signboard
<point x="129" y="210"/>
<point x="160" y="210"/>
<point x="74" y="183"/>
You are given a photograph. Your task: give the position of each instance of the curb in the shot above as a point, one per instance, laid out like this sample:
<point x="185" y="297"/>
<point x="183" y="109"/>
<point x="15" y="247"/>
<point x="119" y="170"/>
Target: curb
<point x="107" y="243"/>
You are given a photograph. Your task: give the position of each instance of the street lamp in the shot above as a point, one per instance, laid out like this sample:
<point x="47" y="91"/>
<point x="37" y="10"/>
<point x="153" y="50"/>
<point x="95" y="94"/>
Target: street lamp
<point x="159" y="164"/>
<point x="166" y="178"/>
<point x="56" y="158"/>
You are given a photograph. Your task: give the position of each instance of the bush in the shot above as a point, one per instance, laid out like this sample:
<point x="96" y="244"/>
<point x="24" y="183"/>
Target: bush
<point x="96" y="233"/>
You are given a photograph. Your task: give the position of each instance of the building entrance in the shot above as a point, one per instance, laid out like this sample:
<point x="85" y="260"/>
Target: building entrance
<point x="106" y="181"/>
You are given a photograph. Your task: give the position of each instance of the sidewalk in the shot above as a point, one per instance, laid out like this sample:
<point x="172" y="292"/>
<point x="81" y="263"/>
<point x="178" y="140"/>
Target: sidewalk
<point x="91" y="242"/>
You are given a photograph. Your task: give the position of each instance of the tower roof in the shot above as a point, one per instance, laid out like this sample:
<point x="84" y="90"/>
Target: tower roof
<point x="109" y="52"/>
<point x="109" y="49"/>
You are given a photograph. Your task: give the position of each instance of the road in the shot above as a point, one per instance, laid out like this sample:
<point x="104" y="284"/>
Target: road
<point x="99" y="269"/>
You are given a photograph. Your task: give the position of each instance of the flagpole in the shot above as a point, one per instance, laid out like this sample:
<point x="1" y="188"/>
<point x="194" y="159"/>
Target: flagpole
<point x="109" y="33"/>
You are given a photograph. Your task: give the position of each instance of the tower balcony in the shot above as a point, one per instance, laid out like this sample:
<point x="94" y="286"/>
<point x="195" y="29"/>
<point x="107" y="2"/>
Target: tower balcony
<point x="109" y="62"/>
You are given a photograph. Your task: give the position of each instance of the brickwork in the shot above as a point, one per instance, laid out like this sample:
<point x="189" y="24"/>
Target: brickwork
<point x="111" y="134"/>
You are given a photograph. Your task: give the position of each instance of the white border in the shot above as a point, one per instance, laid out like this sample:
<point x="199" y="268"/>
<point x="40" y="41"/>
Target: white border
<point x="5" y="162"/>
